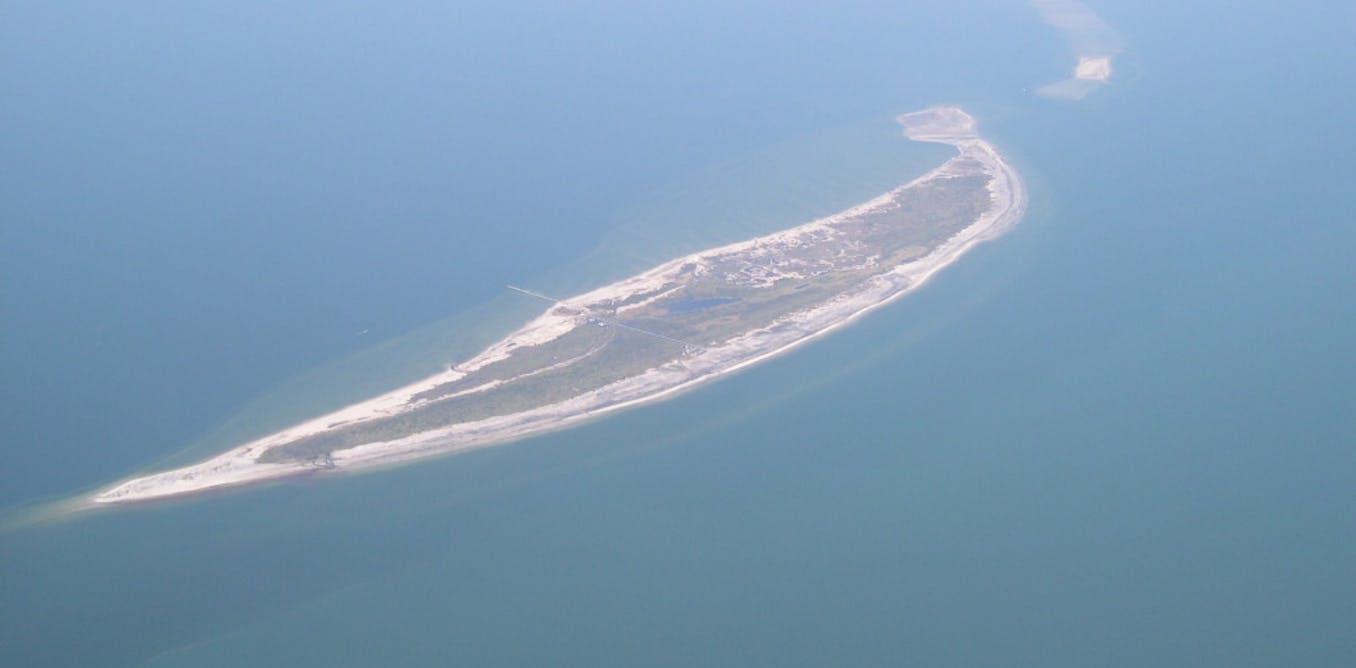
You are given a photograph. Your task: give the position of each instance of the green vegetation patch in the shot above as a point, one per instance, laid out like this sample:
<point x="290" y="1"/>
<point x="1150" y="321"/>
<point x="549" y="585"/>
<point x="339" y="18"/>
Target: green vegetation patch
<point x="736" y="294"/>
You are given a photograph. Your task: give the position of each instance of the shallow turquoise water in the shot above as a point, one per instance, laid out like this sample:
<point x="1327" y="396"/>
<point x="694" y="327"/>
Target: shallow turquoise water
<point x="1119" y="436"/>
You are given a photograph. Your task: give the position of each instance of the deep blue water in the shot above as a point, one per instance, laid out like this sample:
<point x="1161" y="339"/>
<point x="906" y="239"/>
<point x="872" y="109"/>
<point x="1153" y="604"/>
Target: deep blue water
<point x="1122" y="435"/>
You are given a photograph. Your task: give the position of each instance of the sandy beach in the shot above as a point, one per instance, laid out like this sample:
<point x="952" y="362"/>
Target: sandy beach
<point x="1093" y="69"/>
<point x="948" y="125"/>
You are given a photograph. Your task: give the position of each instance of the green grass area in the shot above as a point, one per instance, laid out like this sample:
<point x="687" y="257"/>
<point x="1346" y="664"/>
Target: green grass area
<point x="575" y="343"/>
<point x="624" y="355"/>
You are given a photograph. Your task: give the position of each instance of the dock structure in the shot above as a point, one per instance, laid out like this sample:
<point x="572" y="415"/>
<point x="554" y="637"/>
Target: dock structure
<point x="533" y="293"/>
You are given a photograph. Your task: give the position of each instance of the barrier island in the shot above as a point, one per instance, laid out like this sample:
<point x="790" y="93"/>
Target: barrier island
<point x="686" y="322"/>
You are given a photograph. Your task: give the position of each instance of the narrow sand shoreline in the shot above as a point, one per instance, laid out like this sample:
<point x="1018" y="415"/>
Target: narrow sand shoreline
<point x="948" y="125"/>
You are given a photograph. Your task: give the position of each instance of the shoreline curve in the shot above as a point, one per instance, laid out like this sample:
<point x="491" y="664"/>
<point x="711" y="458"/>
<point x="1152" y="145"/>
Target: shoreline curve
<point x="239" y="466"/>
